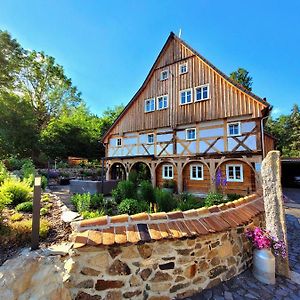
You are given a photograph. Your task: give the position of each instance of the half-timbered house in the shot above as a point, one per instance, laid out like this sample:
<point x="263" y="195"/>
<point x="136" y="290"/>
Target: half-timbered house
<point x="187" y="121"/>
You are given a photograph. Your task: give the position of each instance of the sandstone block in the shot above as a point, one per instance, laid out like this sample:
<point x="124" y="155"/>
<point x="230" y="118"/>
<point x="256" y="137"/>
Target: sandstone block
<point x="145" y="250"/>
<point x="85" y="296"/>
<point x="119" y="268"/>
<point x="102" y="285"/>
<point x="145" y="273"/>
<point x="160" y="276"/>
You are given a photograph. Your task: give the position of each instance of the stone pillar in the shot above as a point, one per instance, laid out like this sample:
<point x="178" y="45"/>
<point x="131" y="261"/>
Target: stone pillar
<point x="153" y="174"/>
<point x="179" y="178"/>
<point x="273" y="201"/>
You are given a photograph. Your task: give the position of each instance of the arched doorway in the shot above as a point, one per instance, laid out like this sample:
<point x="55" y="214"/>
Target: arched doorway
<point x="117" y="172"/>
<point x="140" y="171"/>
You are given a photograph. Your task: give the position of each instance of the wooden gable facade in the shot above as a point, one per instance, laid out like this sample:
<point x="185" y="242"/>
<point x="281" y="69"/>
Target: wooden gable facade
<point x="159" y="136"/>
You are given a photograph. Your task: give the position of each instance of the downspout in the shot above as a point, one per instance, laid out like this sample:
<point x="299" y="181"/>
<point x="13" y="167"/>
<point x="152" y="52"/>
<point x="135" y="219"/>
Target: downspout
<point x="263" y="134"/>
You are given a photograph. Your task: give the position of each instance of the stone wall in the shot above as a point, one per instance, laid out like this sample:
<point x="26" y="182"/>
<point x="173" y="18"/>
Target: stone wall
<point x="160" y="270"/>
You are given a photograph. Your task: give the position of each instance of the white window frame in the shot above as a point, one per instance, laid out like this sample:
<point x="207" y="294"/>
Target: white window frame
<point x="186" y="134"/>
<point x="234" y="173"/>
<point x="161" y="74"/>
<point x="150" y="99"/>
<point x="185" y="91"/>
<point x="186" y="68"/>
<point x="163" y="171"/>
<point x="117" y="142"/>
<point x="149" y="134"/>
<point x="201" y="87"/>
<point x="191" y="172"/>
<point x="157" y="101"/>
<point x="234" y="123"/>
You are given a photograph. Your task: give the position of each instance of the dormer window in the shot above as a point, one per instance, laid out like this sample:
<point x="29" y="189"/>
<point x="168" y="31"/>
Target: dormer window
<point x="190" y="134"/>
<point x="164" y="75"/>
<point x="202" y="92"/>
<point x="119" y="142"/>
<point x="162" y="102"/>
<point x="185" y="96"/>
<point x="234" y="129"/>
<point x="150" y="138"/>
<point x="149" y="105"/>
<point x="183" y="68"/>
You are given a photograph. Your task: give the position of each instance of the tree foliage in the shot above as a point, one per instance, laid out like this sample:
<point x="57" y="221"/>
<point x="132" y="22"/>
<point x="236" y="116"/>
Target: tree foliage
<point x="242" y="77"/>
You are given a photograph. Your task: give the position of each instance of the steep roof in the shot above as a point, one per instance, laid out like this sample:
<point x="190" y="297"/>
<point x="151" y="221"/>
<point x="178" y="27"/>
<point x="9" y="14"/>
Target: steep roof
<point x="172" y="37"/>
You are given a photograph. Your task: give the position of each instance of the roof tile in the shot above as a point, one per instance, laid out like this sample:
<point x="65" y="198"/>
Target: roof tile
<point x="139" y="217"/>
<point x="81" y="239"/>
<point x="202" y="211"/>
<point x="213" y="209"/>
<point x="158" y="216"/>
<point x="183" y="228"/>
<point x="120" y="235"/>
<point x="108" y="236"/>
<point x="119" y="218"/>
<point x="154" y="231"/>
<point x="192" y="213"/>
<point x="174" y="230"/>
<point x="173" y="215"/>
<point x="144" y="232"/>
<point x="94" y="237"/>
<point x="100" y="221"/>
<point x="164" y="230"/>
<point x="133" y="235"/>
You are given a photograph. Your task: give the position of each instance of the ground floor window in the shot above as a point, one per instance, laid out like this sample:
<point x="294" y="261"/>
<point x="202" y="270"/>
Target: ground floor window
<point x="167" y="172"/>
<point x="196" y="172"/>
<point x="234" y="173"/>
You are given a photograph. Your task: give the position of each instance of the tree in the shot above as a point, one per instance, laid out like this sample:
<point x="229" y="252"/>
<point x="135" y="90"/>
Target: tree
<point x="242" y="77"/>
<point x="294" y="132"/>
<point x="109" y="116"/>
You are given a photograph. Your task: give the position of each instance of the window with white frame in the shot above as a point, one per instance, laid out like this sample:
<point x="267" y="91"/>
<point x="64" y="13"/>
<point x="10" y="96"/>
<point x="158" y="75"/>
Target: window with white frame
<point x="186" y="96"/>
<point x="234" y="129"/>
<point x="162" y="102"/>
<point x="149" y="105"/>
<point x="190" y="134"/>
<point x="119" y="142"/>
<point x="164" y="75"/>
<point x="202" y="92"/>
<point x="167" y="172"/>
<point x="234" y="173"/>
<point x="183" y="68"/>
<point x="150" y="138"/>
<point x="196" y="172"/>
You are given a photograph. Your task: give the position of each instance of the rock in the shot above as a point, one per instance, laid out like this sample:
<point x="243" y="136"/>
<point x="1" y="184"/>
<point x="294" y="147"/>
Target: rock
<point x="145" y="273"/>
<point x="184" y="251"/>
<point x="145" y="250"/>
<point x="160" y="286"/>
<point x="102" y="285"/>
<point x="160" y="276"/>
<point x="167" y="266"/>
<point x="89" y="271"/>
<point x="69" y="216"/>
<point x="203" y="266"/>
<point x="119" y="268"/>
<point x="225" y="250"/>
<point x="135" y="281"/>
<point x="190" y="271"/>
<point x="132" y="294"/>
<point x="179" y="286"/>
<point x="215" y="261"/>
<point x="186" y="294"/>
<point x="129" y="253"/>
<point x="114" y="251"/>
<point x="199" y="280"/>
<point x="113" y="295"/>
<point x="217" y="271"/>
<point x="179" y="278"/>
<point x="159" y="298"/>
<point x="85" y="296"/>
<point x="86" y="284"/>
<point x="99" y="260"/>
<point x="58" y="249"/>
<point x="228" y="295"/>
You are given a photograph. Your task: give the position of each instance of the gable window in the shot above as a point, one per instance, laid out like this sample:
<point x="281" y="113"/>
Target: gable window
<point x="234" y="173"/>
<point x="202" y="92"/>
<point x="234" y="129"/>
<point x="183" y="68"/>
<point x="162" y="102"/>
<point x="186" y="96"/>
<point x="190" y="134"/>
<point x="119" y="142"/>
<point x="150" y="138"/>
<point x="164" y="75"/>
<point x="196" y="172"/>
<point x="167" y="172"/>
<point x="149" y="105"/>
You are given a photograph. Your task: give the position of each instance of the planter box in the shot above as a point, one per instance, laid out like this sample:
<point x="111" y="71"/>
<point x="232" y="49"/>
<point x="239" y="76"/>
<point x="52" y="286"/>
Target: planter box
<point x="92" y="187"/>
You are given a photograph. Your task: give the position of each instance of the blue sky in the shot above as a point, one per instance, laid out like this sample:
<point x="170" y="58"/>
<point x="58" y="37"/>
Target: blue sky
<point x="108" y="47"/>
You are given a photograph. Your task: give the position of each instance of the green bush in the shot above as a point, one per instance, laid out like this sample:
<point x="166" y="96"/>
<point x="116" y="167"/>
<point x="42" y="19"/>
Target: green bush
<point x="165" y="200"/>
<point x="4" y="174"/>
<point x="169" y="184"/>
<point x="96" y="201"/>
<point x="28" y="169"/>
<point x="132" y="206"/>
<point x="24" y="227"/>
<point x="14" y="191"/>
<point x="25" y="206"/>
<point x="124" y="190"/>
<point x="44" y="182"/>
<point x="232" y="197"/>
<point x="16" y="217"/>
<point x="213" y="198"/>
<point x="146" y="192"/>
<point x="110" y="206"/>
<point x="44" y="211"/>
<point x="92" y="214"/>
<point x="81" y="202"/>
<point x="187" y="201"/>
<point x="134" y="177"/>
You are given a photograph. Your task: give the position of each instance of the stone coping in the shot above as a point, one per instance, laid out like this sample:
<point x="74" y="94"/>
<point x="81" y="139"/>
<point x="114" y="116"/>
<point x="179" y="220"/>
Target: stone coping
<point x="144" y="227"/>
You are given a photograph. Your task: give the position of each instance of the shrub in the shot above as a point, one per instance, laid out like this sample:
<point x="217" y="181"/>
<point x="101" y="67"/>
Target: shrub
<point x="44" y="211"/>
<point x="24" y="227"/>
<point x="124" y="190"/>
<point x="4" y="174"/>
<point x="25" y="206"/>
<point x="146" y="192"/>
<point x="187" y="201"/>
<point x="109" y="206"/>
<point x="232" y="197"/>
<point x="92" y="214"/>
<point x="165" y="200"/>
<point x="213" y="198"/>
<point x="28" y="169"/>
<point x="134" y="177"/>
<point x="132" y="206"/>
<point x="16" y="217"/>
<point x="169" y="184"/>
<point x="14" y="191"/>
<point x="44" y="182"/>
<point x="96" y="201"/>
<point x="45" y="198"/>
<point x="81" y="202"/>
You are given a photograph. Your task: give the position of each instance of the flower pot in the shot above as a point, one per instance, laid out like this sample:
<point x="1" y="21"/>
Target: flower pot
<point x="264" y="266"/>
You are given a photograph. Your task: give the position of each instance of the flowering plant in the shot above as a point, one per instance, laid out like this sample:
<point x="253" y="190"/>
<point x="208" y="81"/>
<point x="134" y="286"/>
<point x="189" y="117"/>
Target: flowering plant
<point x="262" y="239"/>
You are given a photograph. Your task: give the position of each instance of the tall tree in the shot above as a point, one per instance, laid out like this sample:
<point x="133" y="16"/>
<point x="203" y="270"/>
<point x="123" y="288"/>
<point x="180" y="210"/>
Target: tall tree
<point x="242" y="77"/>
<point x="294" y="132"/>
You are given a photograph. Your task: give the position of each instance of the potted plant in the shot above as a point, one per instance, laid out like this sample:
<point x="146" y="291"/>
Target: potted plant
<point x="263" y="259"/>
<point x="169" y="185"/>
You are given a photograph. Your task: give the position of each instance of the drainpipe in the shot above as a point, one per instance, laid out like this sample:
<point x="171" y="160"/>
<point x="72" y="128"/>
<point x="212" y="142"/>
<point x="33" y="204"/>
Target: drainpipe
<point x="263" y="134"/>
